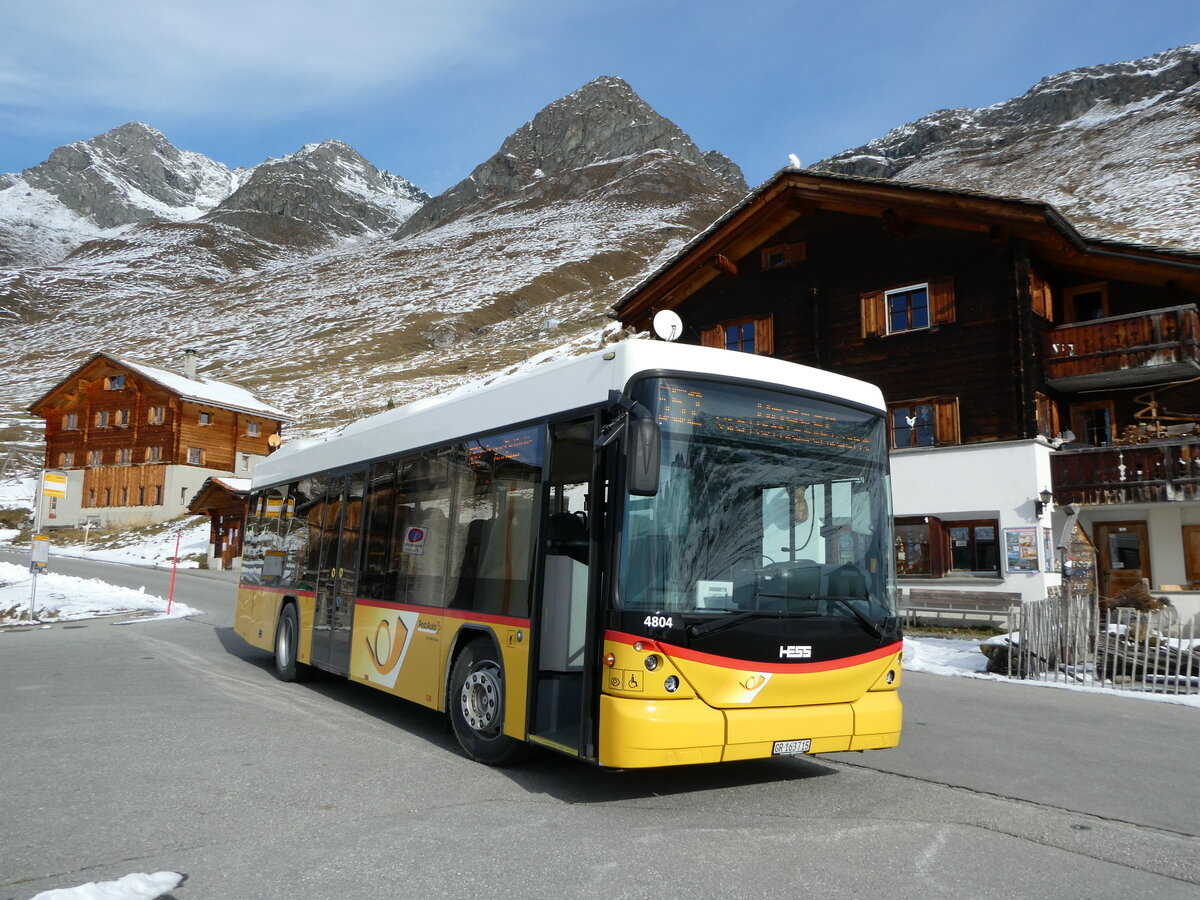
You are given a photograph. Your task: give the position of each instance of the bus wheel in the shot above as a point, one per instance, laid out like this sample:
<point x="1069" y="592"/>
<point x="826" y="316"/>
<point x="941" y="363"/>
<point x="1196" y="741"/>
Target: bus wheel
<point x="477" y="706"/>
<point x="287" y="639"/>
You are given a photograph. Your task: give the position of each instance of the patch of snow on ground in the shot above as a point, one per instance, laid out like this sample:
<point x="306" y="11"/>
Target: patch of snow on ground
<point x="17" y="493"/>
<point x="62" y="598"/>
<point x="940" y="656"/>
<point x="155" y="549"/>
<point x="138" y="886"/>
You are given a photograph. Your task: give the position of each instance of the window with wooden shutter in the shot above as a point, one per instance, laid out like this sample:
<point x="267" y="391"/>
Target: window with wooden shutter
<point x="941" y="301"/>
<point x="755" y="335"/>
<point x="1039" y="296"/>
<point x="1047" y="416"/>
<point x="924" y="423"/>
<point x="873" y="317"/>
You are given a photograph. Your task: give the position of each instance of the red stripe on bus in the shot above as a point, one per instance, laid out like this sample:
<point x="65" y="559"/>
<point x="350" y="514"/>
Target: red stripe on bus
<point x="272" y="589"/>
<point x="728" y="662"/>
<point x="449" y="613"/>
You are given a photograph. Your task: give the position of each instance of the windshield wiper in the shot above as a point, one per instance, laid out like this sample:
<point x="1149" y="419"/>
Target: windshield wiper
<point x="702" y="628"/>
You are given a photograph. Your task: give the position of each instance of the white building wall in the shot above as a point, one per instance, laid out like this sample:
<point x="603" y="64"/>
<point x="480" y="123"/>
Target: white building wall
<point x="979" y="481"/>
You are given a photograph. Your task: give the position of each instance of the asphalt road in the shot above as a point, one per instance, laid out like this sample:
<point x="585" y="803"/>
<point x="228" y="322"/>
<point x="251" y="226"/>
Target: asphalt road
<point x="169" y="745"/>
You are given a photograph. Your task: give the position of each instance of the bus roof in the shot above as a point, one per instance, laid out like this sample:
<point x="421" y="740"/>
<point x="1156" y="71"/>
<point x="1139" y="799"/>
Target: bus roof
<point x="548" y="390"/>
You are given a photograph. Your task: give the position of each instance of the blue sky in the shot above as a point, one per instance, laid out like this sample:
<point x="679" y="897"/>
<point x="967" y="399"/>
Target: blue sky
<point x="430" y="89"/>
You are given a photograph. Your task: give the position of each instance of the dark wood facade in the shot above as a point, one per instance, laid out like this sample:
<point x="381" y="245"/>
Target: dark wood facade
<point x="124" y="429"/>
<point x="224" y="502"/>
<point x="1020" y="326"/>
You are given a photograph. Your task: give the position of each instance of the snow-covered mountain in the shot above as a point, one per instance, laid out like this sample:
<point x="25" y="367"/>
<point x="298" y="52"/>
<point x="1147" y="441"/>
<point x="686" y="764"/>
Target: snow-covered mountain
<point x="1114" y="147"/>
<point x="331" y="330"/>
<point x="133" y="176"/>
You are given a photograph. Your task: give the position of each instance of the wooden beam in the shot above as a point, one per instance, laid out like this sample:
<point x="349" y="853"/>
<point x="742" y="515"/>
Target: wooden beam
<point x="724" y="264"/>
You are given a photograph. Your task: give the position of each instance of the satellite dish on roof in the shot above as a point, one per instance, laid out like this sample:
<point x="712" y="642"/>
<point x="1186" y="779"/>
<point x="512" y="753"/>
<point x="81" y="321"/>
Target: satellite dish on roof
<point x="667" y="324"/>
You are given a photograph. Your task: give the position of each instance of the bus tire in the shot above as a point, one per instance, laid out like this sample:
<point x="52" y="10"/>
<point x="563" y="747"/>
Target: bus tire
<point x="287" y="640"/>
<point x="477" y="706"/>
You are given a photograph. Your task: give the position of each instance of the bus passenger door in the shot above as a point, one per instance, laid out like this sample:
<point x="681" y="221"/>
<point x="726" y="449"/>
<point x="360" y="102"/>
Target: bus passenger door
<point x="561" y="708"/>
<point x="340" y="529"/>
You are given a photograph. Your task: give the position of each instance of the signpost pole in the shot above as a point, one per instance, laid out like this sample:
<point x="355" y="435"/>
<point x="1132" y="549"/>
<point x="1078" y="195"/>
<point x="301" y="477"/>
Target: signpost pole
<point x="174" y="566"/>
<point x="33" y="543"/>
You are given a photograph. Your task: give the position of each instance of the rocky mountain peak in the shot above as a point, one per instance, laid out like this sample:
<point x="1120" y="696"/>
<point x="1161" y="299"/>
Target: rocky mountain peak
<point x="605" y="121"/>
<point x="100" y="179"/>
<point x="320" y="193"/>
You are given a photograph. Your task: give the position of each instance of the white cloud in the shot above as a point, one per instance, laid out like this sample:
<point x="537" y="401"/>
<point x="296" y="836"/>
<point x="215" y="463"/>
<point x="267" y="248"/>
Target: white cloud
<point x="260" y="59"/>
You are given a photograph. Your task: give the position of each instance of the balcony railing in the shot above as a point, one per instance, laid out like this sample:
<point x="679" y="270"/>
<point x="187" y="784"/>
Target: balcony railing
<point x="1158" y="472"/>
<point x="1152" y="347"/>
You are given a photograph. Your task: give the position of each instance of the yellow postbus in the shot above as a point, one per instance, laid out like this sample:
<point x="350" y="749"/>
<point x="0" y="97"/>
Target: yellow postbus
<point x="651" y="555"/>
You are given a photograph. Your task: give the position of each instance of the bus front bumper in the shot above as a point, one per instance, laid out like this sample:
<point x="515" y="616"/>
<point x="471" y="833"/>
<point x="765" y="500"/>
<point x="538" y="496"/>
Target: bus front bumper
<point x="642" y="733"/>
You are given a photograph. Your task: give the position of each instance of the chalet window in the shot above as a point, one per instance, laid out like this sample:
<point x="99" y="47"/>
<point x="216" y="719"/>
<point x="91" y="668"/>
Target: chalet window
<point x="1085" y="302"/>
<point x="781" y="255"/>
<point x="195" y="456"/>
<point x="913" y="307"/>
<point x="744" y="335"/>
<point x="158" y="495"/>
<point x="70" y="422"/>
<point x="108" y="496"/>
<point x="114" y="382"/>
<point x="92" y="497"/>
<point x="252" y="429"/>
<point x="973" y="546"/>
<point x="924" y="423"/>
<point x="95" y="457"/>
<point x="122" y="418"/>
<point x="1094" y="423"/>
<point x="156" y="415"/>
<point x="124" y="496"/>
<point x="124" y="456"/>
<point x="205" y="418"/>
<point x="154" y="454"/>
<point x="66" y="459"/>
<point x="102" y="418"/>
<point x="1039" y="297"/>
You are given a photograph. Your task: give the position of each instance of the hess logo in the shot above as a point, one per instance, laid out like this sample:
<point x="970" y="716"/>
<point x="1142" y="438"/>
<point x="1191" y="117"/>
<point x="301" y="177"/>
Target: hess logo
<point x="795" y="651"/>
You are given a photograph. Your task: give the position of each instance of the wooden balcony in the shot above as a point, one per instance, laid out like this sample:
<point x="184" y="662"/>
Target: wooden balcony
<point x="1161" y="471"/>
<point x="1153" y="347"/>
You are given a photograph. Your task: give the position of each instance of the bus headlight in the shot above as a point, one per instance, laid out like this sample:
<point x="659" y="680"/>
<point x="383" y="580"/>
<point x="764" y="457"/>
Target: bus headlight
<point x="671" y="684"/>
<point x="652" y="662"/>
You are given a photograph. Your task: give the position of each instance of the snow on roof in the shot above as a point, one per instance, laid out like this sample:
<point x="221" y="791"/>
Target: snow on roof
<point x="205" y="390"/>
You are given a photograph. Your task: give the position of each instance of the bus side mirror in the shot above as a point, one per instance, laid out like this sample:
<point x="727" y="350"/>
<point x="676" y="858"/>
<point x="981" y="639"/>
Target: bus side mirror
<point x="643" y="447"/>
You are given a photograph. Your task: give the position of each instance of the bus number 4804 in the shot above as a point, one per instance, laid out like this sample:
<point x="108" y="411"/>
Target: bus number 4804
<point x="657" y="622"/>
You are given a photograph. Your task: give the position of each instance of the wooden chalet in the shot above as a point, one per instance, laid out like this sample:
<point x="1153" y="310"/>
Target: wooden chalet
<point x="223" y="500"/>
<point x="989" y="322"/>
<point x="137" y="441"/>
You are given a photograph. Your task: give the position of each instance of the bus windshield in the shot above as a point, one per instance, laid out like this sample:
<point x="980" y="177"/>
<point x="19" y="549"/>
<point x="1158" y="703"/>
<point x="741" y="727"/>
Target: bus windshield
<point x="768" y="503"/>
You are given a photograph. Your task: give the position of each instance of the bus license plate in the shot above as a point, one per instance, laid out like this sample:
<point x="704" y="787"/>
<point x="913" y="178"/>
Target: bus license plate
<point x="790" y="748"/>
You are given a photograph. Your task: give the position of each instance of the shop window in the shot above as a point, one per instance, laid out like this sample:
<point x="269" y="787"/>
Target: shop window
<point x="973" y="546"/>
<point x="918" y="547"/>
<point x="913" y="307"/>
<point x="743" y="335"/>
<point x="924" y="423"/>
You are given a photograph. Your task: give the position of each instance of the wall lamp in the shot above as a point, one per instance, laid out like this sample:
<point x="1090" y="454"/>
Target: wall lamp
<point x="1045" y="498"/>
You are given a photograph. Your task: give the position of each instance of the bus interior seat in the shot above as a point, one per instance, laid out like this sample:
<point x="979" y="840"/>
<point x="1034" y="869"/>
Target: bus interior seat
<point x="566" y="535"/>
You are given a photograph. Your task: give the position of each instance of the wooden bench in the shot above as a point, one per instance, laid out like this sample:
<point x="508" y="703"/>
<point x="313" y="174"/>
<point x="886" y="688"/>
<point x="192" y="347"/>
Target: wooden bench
<point x="991" y="607"/>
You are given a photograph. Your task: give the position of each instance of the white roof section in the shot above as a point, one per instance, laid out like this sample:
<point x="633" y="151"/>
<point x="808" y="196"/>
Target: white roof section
<point x="205" y="390"/>
<point x="548" y="390"/>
